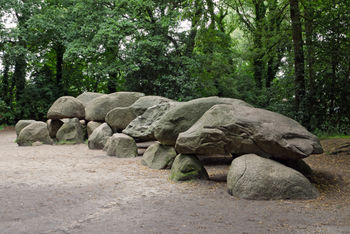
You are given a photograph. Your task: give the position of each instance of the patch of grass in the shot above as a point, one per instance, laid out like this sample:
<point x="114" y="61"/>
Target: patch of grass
<point x="2" y="127"/>
<point x="324" y="137"/>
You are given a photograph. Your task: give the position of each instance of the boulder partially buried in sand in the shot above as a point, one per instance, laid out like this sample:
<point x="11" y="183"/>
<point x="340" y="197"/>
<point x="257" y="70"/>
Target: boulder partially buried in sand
<point x="159" y="156"/>
<point x="121" y="146"/>
<point x="256" y="178"/>
<point x="71" y="131"/>
<point x="22" y="124"/>
<point x="99" y="136"/>
<point x="187" y="167"/>
<point x="34" y="132"/>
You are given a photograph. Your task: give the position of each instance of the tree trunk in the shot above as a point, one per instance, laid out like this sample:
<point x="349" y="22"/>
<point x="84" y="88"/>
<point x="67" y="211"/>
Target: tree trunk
<point x="191" y="40"/>
<point x="298" y="54"/>
<point x="258" y="64"/>
<point x="59" y="69"/>
<point x="310" y="62"/>
<point x="5" y="83"/>
<point x="111" y="83"/>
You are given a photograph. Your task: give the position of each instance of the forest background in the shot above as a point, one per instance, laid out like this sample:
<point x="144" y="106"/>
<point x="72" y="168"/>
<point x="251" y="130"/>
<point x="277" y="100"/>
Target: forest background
<point x="288" y="56"/>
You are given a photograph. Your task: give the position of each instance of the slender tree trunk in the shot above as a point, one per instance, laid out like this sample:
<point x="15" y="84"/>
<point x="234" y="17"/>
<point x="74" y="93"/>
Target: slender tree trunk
<point x="5" y="83"/>
<point x="310" y="62"/>
<point x="111" y="83"/>
<point x="19" y="76"/>
<point x="258" y="64"/>
<point x="298" y="54"/>
<point x="191" y="40"/>
<point x="270" y="72"/>
<point x="59" y="69"/>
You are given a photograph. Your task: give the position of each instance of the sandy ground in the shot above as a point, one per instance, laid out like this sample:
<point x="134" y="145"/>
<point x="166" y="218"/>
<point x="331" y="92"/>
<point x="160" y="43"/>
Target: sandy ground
<point x="70" y="189"/>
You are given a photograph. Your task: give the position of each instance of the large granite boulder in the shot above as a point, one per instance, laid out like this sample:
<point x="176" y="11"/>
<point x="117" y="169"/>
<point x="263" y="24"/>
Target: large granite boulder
<point x="91" y="126"/>
<point x="66" y="107"/>
<point x="143" y="103"/>
<point x="121" y="146"/>
<point x="97" y="109"/>
<point x="99" y="136"/>
<point x="241" y="129"/>
<point x="22" y="124"/>
<point x="34" y="132"/>
<point x="187" y="167"/>
<point x="142" y="128"/>
<point x="184" y="115"/>
<point x="53" y="125"/>
<point x="159" y="156"/>
<point x="71" y="131"/>
<point x="257" y="178"/>
<point x="120" y="117"/>
<point x="86" y="97"/>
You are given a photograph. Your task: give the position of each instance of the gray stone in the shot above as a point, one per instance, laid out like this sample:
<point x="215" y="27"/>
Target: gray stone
<point x="142" y="128"/>
<point x="71" y="131"/>
<point x="53" y="126"/>
<point x="97" y="109"/>
<point x="91" y="126"/>
<point x="22" y="124"/>
<point x="121" y="146"/>
<point x="119" y="118"/>
<point x="34" y="132"/>
<point x="159" y="156"/>
<point x="143" y="103"/>
<point x="257" y="178"/>
<point x="86" y="97"/>
<point x="99" y="136"/>
<point x="187" y="167"/>
<point x="184" y="115"/>
<point x="240" y="129"/>
<point x="66" y="107"/>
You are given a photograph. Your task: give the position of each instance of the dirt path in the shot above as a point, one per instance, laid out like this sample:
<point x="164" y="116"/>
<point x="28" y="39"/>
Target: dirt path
<point x="70" y="189"/>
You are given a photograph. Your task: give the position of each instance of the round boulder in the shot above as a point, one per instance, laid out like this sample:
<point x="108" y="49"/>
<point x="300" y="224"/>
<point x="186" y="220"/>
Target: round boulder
<point x="91" y="126"/>
<point x="159" y="156"/>
<point x="71" y="131"/>
<point x="99" y="137"/>
<point x="22" y="124"/>
<point x="86" y="97"/>
<point x="121" y="146"/>
<point x="257" y="178"/>
<point x="187" y="167"/>
<point x="34" y="132"/>
<point x="120" y="117"/>
<point x="66" y="107"/>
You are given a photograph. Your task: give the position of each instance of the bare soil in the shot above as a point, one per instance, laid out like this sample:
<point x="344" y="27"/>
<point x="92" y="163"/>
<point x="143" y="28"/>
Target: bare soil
<point x="71" y="189"/>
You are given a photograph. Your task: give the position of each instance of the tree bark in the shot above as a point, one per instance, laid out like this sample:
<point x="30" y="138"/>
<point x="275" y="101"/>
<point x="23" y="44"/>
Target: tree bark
<point x="258" y="64"/>
<point x="5" y="83"/>
<point x="310" y="62"/>
<point x="59" y="69"/>
<point x="298" y="54"/>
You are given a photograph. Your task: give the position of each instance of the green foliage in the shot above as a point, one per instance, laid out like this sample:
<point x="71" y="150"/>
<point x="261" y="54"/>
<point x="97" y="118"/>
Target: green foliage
<point x="7" y="116"/>
<point x="177" y="49"/>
